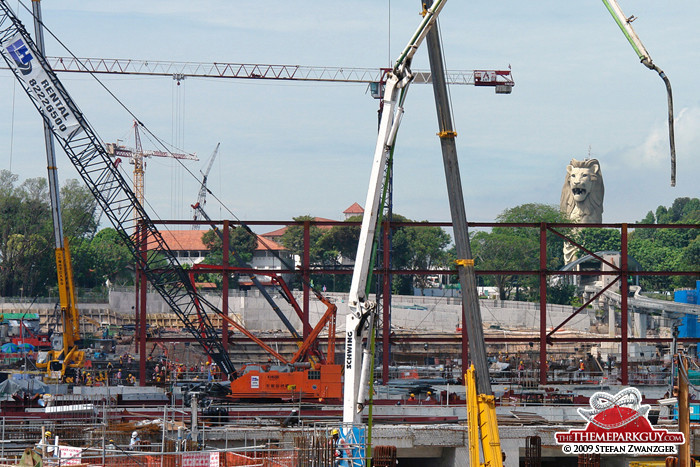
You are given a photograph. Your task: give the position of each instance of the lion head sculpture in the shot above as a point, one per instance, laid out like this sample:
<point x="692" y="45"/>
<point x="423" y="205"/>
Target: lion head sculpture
<point x="583" y="192"/>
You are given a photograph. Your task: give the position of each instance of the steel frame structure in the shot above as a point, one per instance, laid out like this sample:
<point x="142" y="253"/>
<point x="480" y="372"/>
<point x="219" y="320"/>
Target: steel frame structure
<point x="383" y="273"/>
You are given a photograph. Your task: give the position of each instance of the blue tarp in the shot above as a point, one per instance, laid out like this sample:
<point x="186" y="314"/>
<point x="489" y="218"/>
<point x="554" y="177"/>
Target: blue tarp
<point x="9" y="348"/>
<point x="13" y="348"/>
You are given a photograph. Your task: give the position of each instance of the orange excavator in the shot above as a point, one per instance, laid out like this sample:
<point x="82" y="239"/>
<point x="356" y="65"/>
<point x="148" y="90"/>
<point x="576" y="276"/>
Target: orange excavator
<point x="308" y="375"/>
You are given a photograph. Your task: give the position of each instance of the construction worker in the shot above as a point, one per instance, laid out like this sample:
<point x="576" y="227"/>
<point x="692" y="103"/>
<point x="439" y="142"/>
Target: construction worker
<point x="429" y="397"/>
<point x="412" y="397"/>
<point x="341" y="450"/>
<point x="135" y="441"/>
<point x="46" y="443"/>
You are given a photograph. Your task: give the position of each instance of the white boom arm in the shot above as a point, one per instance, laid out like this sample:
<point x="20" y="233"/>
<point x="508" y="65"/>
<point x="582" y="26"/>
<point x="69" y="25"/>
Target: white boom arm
<point x="359" y="322"/>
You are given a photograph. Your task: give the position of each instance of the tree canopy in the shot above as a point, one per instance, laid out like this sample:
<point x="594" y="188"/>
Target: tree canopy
<point x="27" y="260"/>
<point x="412" y="248"/>
<point x="241" y="242"/>
<point x="518" y="248"/>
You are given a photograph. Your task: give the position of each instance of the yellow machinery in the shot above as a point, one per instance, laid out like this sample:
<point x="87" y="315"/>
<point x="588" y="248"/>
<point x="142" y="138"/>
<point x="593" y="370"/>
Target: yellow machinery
<point x="482" y="426"/>
<point x="69" y="356"/>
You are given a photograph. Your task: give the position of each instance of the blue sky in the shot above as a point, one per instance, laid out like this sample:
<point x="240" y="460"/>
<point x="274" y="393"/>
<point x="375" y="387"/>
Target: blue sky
<point x="289" y="149"/>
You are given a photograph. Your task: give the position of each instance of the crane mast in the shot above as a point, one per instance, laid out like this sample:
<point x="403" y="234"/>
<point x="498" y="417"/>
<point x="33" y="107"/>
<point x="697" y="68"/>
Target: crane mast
<point x="69" y="355"/>
<point x="359" y="324"/>
<point x="481" y="410"/>
<point x="137" y="157"/>
<point x="111" y="191"/>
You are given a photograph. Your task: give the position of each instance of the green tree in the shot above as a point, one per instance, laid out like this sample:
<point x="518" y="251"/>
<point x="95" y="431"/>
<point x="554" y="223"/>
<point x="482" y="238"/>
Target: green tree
<point x="26" y="254"/>
<point x="27" y="260"/>
<point x="337" y="245"/>
<point x="537" y="213"/>
<point x="654" y="257"/>
<point x="79" y="210"/>
<point x="293" y="239"/>
<point x="423" y="248"/>
<point x="671" y="249"/>
<point x="518" y="248"/>
<point x="113" y="260"/>
<point x="690" y="259"/>
<point x="596" y="239"/>
<point x="340" y="241"/>
<point x="241" y="241"/>
<point x="500" y="250"/>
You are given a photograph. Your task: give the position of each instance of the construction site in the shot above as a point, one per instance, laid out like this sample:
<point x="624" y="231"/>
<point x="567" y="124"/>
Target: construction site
<point x="229" y="347"/>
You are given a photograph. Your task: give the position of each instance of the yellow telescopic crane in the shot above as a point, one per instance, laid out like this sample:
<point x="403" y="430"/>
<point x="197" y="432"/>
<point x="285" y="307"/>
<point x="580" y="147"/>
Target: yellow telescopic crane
<point x="59" y="360"/>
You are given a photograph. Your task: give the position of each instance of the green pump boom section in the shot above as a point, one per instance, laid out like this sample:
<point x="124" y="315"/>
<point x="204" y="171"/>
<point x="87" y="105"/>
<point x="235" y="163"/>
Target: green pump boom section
<point x="625" y="25"/>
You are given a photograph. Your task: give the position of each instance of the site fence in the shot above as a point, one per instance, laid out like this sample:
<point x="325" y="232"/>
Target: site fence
<point x="172" y="442"/>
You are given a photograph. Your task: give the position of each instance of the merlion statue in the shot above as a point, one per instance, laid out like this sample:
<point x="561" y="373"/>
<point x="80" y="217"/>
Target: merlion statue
<point x="582" y="197"/>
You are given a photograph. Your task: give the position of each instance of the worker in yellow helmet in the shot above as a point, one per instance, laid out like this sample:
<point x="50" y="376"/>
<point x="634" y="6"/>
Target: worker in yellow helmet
<point x="342" y="451"/>
<point x="45" y="444"/>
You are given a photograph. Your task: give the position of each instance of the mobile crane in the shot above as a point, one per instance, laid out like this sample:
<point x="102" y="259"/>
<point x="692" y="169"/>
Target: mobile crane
<point x="67" y="354"/>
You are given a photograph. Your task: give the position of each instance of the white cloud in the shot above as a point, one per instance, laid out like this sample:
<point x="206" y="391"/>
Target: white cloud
<point x="654" y="151"/>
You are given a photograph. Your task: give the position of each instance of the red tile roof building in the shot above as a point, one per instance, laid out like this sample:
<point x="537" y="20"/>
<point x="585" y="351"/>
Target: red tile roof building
<point x="354" y="210"/>
<point x="189" y="249"/>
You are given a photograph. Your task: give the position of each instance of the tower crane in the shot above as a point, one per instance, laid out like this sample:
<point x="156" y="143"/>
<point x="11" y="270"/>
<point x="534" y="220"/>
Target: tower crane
<point x="136" y="157"/>
<point x="501" y="80"/>
<point x="92" y="161"/>
<point x="202" y="196"/>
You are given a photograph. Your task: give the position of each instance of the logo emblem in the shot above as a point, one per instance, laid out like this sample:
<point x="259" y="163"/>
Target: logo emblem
<point x="20" y="53"/>
<point x="618" y="424"/>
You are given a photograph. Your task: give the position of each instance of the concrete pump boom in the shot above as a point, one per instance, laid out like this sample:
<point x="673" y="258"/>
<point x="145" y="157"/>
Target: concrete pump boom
<point x="359" y="324"/>
<point x="625" y="25"/>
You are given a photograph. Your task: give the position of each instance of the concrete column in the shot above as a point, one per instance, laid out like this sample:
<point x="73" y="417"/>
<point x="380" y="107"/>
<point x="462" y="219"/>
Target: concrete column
<point x="611" y="320"/>
<point x="640" y="324"/>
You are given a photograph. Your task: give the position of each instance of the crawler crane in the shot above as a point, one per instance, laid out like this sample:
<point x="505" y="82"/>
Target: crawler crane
<point x="308" y="375"/>
<point x="119" y="203"/>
